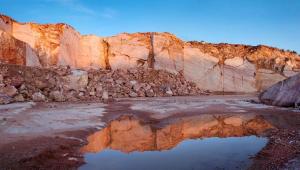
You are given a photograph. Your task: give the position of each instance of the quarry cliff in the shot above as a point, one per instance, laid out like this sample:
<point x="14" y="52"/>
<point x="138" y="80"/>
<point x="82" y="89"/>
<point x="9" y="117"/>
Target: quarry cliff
<point x="215" y="67"/>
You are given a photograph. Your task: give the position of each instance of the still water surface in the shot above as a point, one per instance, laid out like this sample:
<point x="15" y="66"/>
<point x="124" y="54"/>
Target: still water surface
<point x="207" y="153"/>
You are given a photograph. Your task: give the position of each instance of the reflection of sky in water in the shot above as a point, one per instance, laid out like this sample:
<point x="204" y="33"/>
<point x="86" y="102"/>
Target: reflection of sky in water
<point x="209" y="153"/>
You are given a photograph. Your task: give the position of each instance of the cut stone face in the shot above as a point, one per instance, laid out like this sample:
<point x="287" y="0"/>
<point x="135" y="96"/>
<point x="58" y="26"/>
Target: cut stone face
<point x="215" y="67"/>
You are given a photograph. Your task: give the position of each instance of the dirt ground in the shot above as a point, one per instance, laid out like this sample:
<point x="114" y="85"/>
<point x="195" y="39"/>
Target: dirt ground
<point x="50" y="135"/>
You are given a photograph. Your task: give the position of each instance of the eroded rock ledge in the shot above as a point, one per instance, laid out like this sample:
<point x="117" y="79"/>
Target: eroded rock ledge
<point x="22" y="83"/>
<point x="215" y="67"/>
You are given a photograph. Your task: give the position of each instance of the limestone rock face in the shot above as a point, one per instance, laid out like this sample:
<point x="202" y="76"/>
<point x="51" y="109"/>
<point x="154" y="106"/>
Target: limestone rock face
<point x="55" y="44"/>
<point x="128" y="50"/>
<point x="92" y="52"/>
<point x="285" y="93"/>
<point x="6" y="23"/>
<point x="237" y="68"/>
<point x="14" y="51"/>
<point x="215" y="67"/>
<point x="168" y="52"/>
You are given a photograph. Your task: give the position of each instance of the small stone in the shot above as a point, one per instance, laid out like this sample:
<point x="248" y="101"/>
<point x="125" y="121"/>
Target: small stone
<point x="119" y="81"/>
<point x="147" y="87"/>
<point x="105" y="95"/>
<point x="38" y="97"/>
<point x="133" y="82"/>
<point x="4" y="99"/>
<point x="150" y="93"/>
<point x="1" y="79"/>
<point x="92" y="93"/>
<point x="70" y="95"/>
<point x="23" y="87"/>
<point x="169" y="91"/>
<point x="133" y="94"/>
<point x="99" y="88"/>
<point x="19" y="98"/>
<point x="57" y="96"/>
<point x="137" y="87"/>
<point x="10" y="91"/>
<point x="81" y="94"/>
<point x="40" y="84"/>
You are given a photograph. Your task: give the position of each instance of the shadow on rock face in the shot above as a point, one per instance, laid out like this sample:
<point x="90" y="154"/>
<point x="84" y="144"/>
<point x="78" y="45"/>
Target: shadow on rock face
<point x="128" y="134"/>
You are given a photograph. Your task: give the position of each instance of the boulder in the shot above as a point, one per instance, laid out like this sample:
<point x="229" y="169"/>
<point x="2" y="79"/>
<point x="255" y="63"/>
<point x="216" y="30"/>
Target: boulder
<point x="38" y="97"/>
<point x="1" y="79"/>
<point x="105" y="95"/>
<point x="57" y="96"/>
<point x="150" y="93"/>
<point x="19" y="98"/>
<point x="77" y="80"/>
<point x="10" y="91"/>
<point x="133" y="94"/>
<point x="4" y="99"/>
<point x="40" y="84"/>
<point x="169" y="91"/>
<point x="285" y="93"/>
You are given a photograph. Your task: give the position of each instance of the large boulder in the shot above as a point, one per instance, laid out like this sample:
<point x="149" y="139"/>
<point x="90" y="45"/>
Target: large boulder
<point x="38" y="97"/>
<point x="77" y="80"/>
<point x="285" y="93"/>
<point x="10" y="91"/>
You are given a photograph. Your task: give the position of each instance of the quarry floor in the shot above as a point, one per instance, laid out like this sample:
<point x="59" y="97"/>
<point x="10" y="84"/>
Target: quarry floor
<point x="51" y="135"/>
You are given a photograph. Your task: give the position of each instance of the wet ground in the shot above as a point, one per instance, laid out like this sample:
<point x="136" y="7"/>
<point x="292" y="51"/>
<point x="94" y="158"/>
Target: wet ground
<point x="205" y="132"/>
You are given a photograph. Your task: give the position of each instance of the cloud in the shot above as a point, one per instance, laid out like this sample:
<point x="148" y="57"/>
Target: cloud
<point x="75" y="5"/>
<point x="109" y="13"/>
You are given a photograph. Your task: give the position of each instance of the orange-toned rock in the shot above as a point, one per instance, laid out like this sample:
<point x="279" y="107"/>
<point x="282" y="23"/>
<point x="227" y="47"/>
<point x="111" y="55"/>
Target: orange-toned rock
<point x="129" y="50"/>
<point x="215" y="67"/>
<point x="168" y="52"/>
<point x="14" y="51"/>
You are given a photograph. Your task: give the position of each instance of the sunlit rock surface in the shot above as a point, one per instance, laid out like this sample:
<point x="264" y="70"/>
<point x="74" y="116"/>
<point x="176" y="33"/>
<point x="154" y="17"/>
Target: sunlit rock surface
<point x="128" y="50"/>
<point x="214" y="67"/>
<point x="14" y="51"/>
<point x="285" y="93"/>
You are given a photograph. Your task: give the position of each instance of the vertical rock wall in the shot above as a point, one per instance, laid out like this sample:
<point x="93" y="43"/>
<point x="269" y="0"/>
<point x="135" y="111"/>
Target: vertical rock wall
<point x="216" y="67"/>
<point x="12" y="51"/>
<point x="128" y="50"/>
<point x="168" y="52"/>
<point x="91" y="52"/>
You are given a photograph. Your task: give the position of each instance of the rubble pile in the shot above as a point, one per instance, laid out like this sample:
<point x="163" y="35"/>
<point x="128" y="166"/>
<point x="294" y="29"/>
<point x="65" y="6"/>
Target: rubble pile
<point x="22" y="83"/>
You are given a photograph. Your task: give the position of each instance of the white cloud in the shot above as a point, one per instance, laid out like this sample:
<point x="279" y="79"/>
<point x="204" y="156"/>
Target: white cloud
<point x="108" y="13"/>
<point x="76" y="5"/>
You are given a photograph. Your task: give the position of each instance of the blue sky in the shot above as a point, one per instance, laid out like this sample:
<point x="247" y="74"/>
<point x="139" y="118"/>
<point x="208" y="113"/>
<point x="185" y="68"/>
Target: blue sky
<point x="270" y="22"/>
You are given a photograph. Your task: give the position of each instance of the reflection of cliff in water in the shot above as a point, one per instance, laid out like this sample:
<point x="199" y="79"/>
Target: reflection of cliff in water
<point x="128" y="134"/>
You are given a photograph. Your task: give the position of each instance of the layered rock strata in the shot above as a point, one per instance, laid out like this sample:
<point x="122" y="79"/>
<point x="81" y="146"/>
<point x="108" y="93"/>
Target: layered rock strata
<point x="215" y="67"/>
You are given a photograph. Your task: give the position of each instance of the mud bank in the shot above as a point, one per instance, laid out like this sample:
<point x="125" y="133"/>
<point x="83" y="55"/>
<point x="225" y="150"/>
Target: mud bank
<point x="56" y="135"/>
